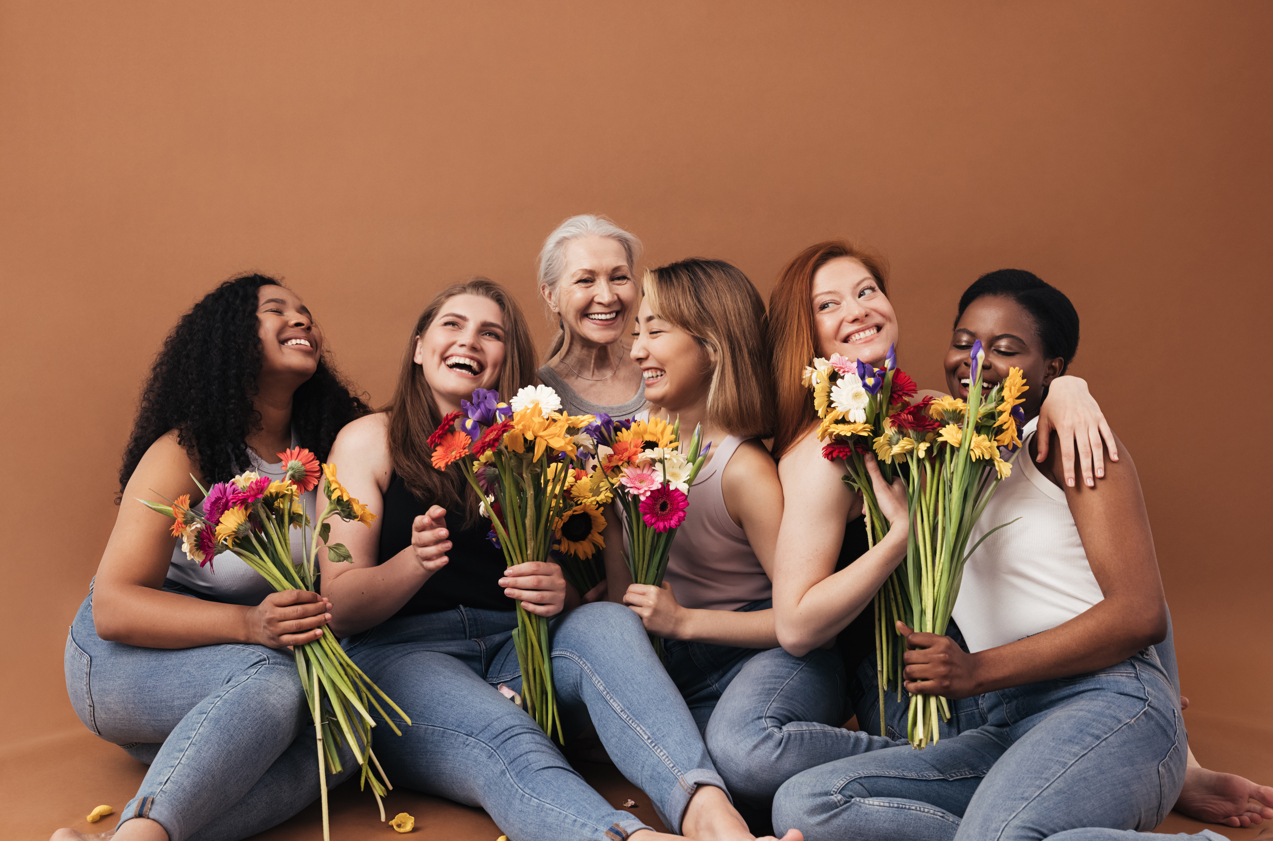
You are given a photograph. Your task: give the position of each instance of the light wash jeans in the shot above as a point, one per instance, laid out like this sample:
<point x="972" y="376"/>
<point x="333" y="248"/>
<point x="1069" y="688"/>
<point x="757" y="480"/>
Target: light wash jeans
<point x="469" y="743"/>
<point x="1104" y="749"/>
<point x="223" y="728"/>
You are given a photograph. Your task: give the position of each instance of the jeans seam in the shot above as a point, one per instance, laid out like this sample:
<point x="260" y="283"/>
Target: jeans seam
<point x="1007" y="821"/>
<point x="168" y="773"/>
<point x="778" y="730"/>
<point x="86" y="689"/>
<point x="513" y="777"/>
<point x="627" y="718"/>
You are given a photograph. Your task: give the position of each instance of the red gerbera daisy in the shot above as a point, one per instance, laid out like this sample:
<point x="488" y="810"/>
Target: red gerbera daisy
<point x="301" y="468"/>
<point x="916" y="418"/>
<point x="491" y="437"/>
<point x="664" y="508"/>
<point x="904" y="388"/>
<point x="835" y="450"/>
<point x="451" y="448"/>
<point x="443" y="428"/>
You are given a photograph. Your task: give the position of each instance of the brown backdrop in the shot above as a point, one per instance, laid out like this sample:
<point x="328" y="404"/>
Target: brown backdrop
<point x="369" y="153"/>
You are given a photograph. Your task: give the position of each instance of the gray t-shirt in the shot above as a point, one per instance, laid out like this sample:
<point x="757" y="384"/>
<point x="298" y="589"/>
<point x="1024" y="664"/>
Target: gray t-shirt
<point x="573" y="404"/>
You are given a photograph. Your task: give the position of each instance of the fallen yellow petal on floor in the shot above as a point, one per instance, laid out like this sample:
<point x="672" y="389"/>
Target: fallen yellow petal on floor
<point x="402" y="822"/>
<point x="502" y="838"/>
<point x="99" y="813"/>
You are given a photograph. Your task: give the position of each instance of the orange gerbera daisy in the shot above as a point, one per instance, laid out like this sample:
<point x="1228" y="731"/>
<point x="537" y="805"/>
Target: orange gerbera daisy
<point x="450" y="448"/>
<point x="301" y="468"/>
<point x="180" y="507"/>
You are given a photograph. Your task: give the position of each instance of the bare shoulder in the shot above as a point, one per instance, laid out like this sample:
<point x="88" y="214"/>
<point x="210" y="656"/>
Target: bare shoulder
<point x="751" y="473"/>
<point x="362" y="449"/>
<point x="804" y="463"/>
<point x="753" y="459"/>
<point x="165" y="469"/>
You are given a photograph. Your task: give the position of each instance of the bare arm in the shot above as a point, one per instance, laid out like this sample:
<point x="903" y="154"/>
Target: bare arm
<point x="1114" y="528"/>
<point x="812" y="601"/>
<point x="753" y="498"/>
<point x="363" y="593"/>
<point x="129" y="604"/>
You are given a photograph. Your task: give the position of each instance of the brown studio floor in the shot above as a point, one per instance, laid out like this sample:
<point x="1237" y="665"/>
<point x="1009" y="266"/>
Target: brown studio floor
<point x="55" y="780"/>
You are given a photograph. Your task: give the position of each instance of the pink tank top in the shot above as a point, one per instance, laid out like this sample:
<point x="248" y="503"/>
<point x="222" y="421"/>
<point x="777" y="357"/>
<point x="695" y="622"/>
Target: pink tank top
<point x="711" y="565"/>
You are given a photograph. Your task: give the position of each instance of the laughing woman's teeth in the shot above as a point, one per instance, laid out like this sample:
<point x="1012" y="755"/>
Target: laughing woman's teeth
<point x="463" y="363"/>
<point x="293" y="342"/>
<point x="863" y="334"/>
<point x="649" y="376"/>
<point x="601" y="316"/>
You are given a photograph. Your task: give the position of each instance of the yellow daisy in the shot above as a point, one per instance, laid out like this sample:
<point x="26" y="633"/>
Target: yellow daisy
<point x="948" y="409"/>
<point x="982" y="447"/>
<point x="233" y="526"/>
<point x="952" y="434"/>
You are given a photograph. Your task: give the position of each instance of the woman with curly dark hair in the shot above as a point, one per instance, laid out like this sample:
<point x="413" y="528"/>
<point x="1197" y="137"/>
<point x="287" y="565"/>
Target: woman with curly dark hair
<point x="188" y="669"/>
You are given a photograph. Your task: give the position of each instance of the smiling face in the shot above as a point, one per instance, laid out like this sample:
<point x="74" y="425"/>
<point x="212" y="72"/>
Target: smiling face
<point x="290" y="341"/>
<point x="596" y="294"/>
<point x="675" y="366"/>
<point x="462" y="349"/>
<point x="1010" y="338"/>
<point x="851" y="314"/>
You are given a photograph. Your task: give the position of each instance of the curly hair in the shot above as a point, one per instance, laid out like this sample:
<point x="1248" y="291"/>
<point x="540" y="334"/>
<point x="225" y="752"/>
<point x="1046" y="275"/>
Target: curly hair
<point x="205" y="378"/>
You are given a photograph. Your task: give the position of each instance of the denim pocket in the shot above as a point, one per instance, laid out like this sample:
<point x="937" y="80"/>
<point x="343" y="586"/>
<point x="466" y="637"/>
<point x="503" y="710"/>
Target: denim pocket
<point x="78" y="665"/>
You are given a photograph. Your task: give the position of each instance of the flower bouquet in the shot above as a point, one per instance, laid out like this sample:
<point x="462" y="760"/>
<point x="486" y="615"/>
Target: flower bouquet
<point x="956" y="454"/>
<point x="519" y="459"/>
<point x="651" y="479"/>
<point x="858" y="404"/>
<point x="251" y="516"/>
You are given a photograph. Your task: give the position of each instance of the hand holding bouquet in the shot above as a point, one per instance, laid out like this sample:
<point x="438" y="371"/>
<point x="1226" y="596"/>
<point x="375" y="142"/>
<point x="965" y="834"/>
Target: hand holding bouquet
<point x="519" y="459"/>
<point x="251" y="516"/>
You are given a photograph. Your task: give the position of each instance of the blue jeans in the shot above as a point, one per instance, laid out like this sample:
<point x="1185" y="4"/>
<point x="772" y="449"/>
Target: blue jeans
<point x="1104" y="749"/>
<point x="224" y="729"/>
<point x="471" y="744"/>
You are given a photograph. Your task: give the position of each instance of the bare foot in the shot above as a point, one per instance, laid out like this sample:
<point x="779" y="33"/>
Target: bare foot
<point x="65" y="834"/>
<point x="1228" y="799"/>
<point x="711" y="817"/>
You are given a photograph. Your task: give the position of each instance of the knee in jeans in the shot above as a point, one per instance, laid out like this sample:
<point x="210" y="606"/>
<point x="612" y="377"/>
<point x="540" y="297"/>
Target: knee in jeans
<point x="600" y="623"/>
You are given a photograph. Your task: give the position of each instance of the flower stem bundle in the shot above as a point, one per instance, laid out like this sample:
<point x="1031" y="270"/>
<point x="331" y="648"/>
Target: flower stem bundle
<point x="251" y="517"/>
<point x="519" y="459"/>
<point x="954" y="455"/>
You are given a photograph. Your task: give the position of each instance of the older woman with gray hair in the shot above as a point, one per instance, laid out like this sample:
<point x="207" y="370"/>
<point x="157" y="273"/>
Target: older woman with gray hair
<point x="586" y="278"/>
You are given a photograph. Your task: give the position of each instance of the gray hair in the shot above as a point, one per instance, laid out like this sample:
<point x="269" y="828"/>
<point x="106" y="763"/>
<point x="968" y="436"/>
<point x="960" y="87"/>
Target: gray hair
<point x="552" y="258"/>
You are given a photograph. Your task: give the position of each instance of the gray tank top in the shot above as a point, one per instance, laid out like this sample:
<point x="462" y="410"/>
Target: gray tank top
<point x="226" y="578"/>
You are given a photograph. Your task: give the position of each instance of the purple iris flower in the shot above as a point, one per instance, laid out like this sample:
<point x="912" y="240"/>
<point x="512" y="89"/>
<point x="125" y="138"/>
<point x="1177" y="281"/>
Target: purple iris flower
<point x="973" y="354"/>
<point x="1018" y="415"/>
<point x="703" y="452"/>
<point x="481" y="411"/>
<point x="871" y="380"/>
<point x="602" y="429"/>
<point x="890" y="361"/>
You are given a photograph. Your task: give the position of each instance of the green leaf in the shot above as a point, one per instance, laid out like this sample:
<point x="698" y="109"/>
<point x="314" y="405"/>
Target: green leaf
<point x="323" y="531"/>
<point x="338" y="554"/>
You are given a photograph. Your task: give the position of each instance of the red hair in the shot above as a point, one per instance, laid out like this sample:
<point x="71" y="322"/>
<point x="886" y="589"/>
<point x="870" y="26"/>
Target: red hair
<point x="792" y="334"/>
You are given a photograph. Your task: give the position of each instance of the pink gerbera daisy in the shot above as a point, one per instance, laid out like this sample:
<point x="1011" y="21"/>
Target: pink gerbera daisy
<point x="664" y="508"/>
<point x="640" y="481"/>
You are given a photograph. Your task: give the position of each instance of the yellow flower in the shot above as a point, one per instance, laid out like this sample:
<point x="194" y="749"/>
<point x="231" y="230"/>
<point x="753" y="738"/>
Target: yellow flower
<point x="982" y="447"/>
<point x="402" y="822"/>
<point x="277" y="496"/>
<point x="1008" y="437"/>
<point x="952" y="434"/>
<point x="244" y="479"/>
<point x="948" y="409"/>
<point x="657" y="431"/>
<point x="99" y="813"/>
<point x="592" y="490"/>
<point x="231" y="525"/>
<point x="349" y="508"/>
<point x="579" y="531"/>
<point x="883" y="449"/>
<point x="822" y="397"/>
<point x="847" y="429"/>
<point x="1013" y="387"/>
<point x="1003" y="468"/>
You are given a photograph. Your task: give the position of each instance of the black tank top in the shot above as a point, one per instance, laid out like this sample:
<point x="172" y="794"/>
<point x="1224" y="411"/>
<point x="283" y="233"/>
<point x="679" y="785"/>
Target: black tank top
<point x="857" y="640"/>
<point x="469" y="579"/>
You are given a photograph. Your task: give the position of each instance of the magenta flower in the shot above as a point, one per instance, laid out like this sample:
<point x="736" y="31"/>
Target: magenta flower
<point x="250" y="494"/>
<point x="207" y="544"/>
<point x="216" y="502"/>
<point x="664" y="508"/>
<point x="640" y="481"/>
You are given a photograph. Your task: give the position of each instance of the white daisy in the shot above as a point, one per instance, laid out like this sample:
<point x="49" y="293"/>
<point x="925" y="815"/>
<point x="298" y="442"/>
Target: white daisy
<point x="547" y="399"/>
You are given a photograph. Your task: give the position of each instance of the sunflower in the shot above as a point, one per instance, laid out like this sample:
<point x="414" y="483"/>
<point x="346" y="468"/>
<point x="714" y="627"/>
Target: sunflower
<point x="301" y="468"/>
<point x="655" y="431"/>
<point x="579" y="531"/>
<point x="592" y="490"/>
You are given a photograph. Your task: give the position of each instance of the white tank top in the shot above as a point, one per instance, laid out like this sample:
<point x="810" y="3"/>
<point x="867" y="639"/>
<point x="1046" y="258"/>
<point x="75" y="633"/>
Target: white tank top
<point x="227" y="578"/>
<point x="1030" y="576"/>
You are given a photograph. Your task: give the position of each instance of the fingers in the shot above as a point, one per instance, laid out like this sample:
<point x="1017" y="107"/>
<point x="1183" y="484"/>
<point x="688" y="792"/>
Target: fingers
<point x="532" y="568"/>
<point x="1111" y="443"/>
<point x="596" y="594"/>
<point x="1098" y="452"/>
<point x="1184" y="703"/>
<point x="289" y="597"/>
<point x="1043" y="436"/>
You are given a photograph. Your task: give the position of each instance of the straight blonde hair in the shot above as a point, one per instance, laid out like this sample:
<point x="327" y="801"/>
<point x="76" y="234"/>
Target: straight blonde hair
<point x="715" y="303"/>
